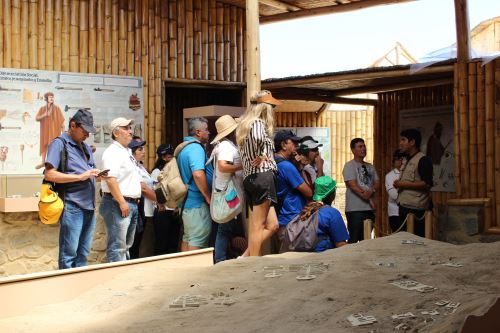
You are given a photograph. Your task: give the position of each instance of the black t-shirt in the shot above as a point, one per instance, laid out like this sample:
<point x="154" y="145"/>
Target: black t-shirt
<point x="425" y="170"/>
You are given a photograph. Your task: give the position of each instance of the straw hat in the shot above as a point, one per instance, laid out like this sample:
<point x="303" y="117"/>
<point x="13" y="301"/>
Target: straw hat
<point x="224" y="125"/>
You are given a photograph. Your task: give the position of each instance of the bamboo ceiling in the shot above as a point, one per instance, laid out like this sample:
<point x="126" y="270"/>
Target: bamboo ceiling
<point x="329" y="87"/>
<point x="280" y="10"/>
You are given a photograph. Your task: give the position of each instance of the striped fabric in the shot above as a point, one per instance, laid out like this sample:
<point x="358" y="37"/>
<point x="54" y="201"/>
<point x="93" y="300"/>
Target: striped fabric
<point x="257" y="143"/>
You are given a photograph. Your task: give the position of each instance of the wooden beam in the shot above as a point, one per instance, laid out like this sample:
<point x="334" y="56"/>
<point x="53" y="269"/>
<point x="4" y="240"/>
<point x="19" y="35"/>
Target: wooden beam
<point x="328" y="10"/>
<point x="253" y="47"/>
<point x="205" y="83"/>
<point x="463" y="30"/>
<point x="280" y="5"/>
<point x="319" y="95"/>
<point x="356" y="76"/>
<point x="394" y="87"/>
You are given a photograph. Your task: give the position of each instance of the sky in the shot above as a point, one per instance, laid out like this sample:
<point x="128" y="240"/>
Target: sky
<point x="354" y="40"/>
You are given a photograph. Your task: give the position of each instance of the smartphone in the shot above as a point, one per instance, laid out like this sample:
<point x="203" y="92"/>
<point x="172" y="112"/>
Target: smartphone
<point x="102" y="173"/>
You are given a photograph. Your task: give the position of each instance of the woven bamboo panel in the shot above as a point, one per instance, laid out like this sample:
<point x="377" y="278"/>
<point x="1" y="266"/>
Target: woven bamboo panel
<point x="155" y="39"/>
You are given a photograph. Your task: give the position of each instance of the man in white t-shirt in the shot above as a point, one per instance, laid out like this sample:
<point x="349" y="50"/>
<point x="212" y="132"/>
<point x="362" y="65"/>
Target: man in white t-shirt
<point x="121" y="191"/>
<point x="390" y="178"/>
<point x="228" y="165"/>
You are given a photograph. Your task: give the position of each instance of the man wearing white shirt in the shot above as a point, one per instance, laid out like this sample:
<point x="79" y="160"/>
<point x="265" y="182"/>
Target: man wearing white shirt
<point x="121" y="191"/>
<point x="390" y="178"/>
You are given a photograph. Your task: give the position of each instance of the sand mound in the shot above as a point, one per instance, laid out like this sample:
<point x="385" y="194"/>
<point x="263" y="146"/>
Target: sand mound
<point x="236" y="295"/>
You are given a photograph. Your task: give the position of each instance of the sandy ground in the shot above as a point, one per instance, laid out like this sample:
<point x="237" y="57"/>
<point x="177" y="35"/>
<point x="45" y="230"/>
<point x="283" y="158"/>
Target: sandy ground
<point x="356" y="281"/>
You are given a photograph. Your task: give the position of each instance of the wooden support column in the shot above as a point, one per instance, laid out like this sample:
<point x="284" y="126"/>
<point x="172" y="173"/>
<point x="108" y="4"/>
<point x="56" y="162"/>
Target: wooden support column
<point x="463" y="30"/>
<point x="253" y="47"/>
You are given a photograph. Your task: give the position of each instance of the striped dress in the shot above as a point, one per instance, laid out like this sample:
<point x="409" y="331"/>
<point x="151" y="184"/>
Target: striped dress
<point x="257" y="143"/>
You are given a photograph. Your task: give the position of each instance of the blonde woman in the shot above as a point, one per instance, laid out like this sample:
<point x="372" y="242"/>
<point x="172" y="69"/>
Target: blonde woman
<point x="254" y="139"/>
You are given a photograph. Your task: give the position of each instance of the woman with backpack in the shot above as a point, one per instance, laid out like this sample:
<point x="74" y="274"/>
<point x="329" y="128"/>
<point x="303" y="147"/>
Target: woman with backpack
<point x="254" y="139"/>
<point x="331" y="230"/>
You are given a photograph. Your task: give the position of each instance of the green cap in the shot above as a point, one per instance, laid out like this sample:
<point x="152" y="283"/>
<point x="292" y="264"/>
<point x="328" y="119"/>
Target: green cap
<point x="323" y="187"/>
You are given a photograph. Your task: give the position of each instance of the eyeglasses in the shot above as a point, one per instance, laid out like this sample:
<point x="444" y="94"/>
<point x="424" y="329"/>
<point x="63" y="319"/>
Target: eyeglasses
<point x="315" y="150"/>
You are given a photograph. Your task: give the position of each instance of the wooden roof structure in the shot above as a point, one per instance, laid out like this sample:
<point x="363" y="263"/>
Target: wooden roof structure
<point x="333" y="87"/>
<point x="281" y="10"/>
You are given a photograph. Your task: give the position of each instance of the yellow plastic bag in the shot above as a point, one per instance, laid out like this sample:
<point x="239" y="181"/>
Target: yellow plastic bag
<point x="50" y="206"/>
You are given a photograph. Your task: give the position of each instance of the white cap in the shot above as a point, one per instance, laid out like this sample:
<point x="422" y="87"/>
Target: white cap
<point x="120" y="121"/>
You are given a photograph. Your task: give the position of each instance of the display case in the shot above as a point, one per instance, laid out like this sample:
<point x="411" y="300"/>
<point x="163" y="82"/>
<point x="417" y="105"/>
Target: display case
<point x="19" y="193"/>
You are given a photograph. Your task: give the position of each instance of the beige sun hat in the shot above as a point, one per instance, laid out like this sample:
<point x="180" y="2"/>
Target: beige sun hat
<point x="224" y="125"/>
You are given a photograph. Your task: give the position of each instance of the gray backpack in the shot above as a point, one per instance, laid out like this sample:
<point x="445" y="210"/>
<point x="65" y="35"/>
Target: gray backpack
<point x="301" y="236"/>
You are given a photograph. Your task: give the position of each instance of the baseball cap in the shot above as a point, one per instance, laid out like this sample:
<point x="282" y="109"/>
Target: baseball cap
<point x="120" y="121"/>
<point x="284" y="135"/>
<point x="134" y="144"/>
<point x="165" y="149"/>
<point x="310" y="143"/>
<point x="84" y="119"/>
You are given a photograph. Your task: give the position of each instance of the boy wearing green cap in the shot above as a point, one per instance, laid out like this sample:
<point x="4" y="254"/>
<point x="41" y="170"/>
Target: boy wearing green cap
<point x="332" y="232"/>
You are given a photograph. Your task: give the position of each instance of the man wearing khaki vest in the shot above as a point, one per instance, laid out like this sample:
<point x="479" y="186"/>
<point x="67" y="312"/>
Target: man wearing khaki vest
<point x="415" y="183"/>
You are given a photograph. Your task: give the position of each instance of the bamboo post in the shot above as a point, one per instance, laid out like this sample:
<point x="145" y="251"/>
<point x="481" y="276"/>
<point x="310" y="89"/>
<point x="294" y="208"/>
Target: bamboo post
<point x="462" y="30"/>
<point x="65" y="35"/>
<point x="56" y="53"/>
<point x="24" y="34"/>
<point x="198" y="39"/>
<point x="181" y="39"/>
<point x="497" y="141"/>
<point x="212" y="40"/>
<point x="189" y="42"/>
<point x="343" y="134"/>
<point x="130" y="32"/>
<point x="490" y="137"/>
<point x="227" y="43"/>
<point x="1" y="34"/>
<point x="367" y="229"/>
<point x="253" y="47"/>
<point x="164" y="39"/>
<point x="7" y="32"/>
<point x="92" y="56"/>
<point x="84" y="36"/>
<point x="33" y="35"/>
<point x="145" y="62"/>
<point x="233" y="39"/>
<point x="481" y="133"/>
<point x="239" y="41"/>
<point x="220" y="42"/>
<point x="41" y="34"/>
<point x="115" y="38"/>
<point x="138" y="38"/>
<point x="107" y="35"/>
<point x="122" y="37"/>
<point x="410" y="223"/>
<point x="456" y="120"/>
<point x="428" y="224"/>
<point x="73" y="36"/>
<point x="16" y="34"/>
<point x="472" y="111"/>
<point x="172" y="35"/>
<point x="49" y="35"/>
<point x="149" y="123"/>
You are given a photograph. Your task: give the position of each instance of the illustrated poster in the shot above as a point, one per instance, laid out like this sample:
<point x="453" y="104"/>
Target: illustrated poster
<point x="36" y="107"/>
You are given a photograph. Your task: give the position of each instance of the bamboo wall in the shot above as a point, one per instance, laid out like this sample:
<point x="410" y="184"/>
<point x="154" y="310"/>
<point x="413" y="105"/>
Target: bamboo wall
<point x="344" y="126"/>
<point x="386" y="125"/>
<point x="154" y="39"/>
<point x="477" y="135"/>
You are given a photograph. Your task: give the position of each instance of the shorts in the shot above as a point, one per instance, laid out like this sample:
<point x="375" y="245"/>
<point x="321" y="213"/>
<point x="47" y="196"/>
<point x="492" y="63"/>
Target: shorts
<point x="197" y="225"/>
<point x="260" y="187"/>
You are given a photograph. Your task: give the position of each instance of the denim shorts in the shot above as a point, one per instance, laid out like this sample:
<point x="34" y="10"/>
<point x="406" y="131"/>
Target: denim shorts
<point x="197" y="225"/>
<point x="260" y="187"/>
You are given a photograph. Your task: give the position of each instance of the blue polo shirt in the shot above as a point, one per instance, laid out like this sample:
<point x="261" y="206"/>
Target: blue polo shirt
<point x="289" y="179"/>
<point x="331" y="229"/>
<point x="190" y="159"/>
<point x="81" y="193"/>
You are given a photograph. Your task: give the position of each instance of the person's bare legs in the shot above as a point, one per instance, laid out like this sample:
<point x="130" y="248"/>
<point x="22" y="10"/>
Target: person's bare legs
<point x="263" y="224"/>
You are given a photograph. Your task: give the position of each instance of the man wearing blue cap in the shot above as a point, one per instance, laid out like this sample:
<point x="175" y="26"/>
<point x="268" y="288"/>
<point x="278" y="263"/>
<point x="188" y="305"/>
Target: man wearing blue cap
<point x="75" y="183"/>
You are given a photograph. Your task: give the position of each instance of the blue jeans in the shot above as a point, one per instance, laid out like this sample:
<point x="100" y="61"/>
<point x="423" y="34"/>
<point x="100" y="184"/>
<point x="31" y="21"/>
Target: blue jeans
<point x="75" y="235"/>
<point x="120" y="230"/>
<point x="226" y="232"/>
